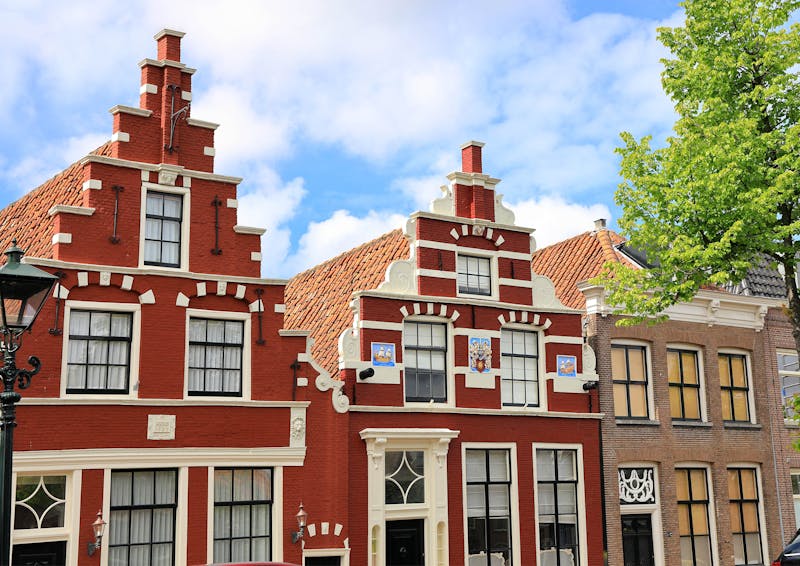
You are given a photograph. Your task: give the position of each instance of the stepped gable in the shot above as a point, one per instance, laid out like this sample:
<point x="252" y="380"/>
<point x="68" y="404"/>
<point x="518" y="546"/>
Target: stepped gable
<point x="319" y="299"/>
<point x="28" y="220"/>
<point x="577" y="259"/>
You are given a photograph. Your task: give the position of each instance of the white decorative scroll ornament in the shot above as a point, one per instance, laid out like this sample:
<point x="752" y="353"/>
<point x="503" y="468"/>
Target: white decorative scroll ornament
<point x="636" y="485"/>
<point x="502" y="214"/>
<point x="400" y="278"/>
<point x="348" y="346"/>
<point x="589" y="360"/>
<point x="544" y="293"/>
<point x="444" y="204"/>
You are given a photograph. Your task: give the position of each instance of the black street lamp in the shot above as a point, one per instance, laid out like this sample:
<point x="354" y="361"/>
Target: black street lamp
<point x="23" y="290"/>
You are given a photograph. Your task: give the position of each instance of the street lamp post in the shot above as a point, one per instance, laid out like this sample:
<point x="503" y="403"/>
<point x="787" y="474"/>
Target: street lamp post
<point x="23" y="291"/>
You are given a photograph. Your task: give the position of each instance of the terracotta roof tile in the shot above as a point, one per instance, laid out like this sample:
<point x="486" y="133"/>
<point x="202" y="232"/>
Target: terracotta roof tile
<point x="27" y="219"/>
<point x="577" y="259"/>
<point x="319" y="299"/>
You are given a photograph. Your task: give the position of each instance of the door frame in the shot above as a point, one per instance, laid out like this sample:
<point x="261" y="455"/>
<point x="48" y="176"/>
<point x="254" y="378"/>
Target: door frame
<point x="342" y="553"/>
<point x="652" y="509"/>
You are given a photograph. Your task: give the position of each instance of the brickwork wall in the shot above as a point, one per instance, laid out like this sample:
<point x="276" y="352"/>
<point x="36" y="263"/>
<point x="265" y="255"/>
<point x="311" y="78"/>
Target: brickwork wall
<point x="665" y="444"/>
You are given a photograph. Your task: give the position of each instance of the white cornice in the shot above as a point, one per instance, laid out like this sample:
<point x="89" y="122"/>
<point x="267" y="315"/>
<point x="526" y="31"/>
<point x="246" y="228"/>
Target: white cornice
<point x="145" y="271"/>
<point x="713" y="308"/>
<point x="120" y="109"/>
<point x="157" y="167"/>
<point x="202" y="123"/>
<point x="174" y="403"/>
<point x="472" y="411"/>
<point x="464" y="301"/>
<point x="66" y="209"/>
<point x="408" y="433"/>
<point x="471" y="221"/>
<point x="167" y="63"/>
<point x="249" y="230"/>
<point x="93" y="458"/>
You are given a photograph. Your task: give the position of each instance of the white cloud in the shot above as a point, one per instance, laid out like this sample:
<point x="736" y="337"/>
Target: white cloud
<point x="339" y="233"/>
<point x="270" y="203"/>
<point x="556" y="219"/>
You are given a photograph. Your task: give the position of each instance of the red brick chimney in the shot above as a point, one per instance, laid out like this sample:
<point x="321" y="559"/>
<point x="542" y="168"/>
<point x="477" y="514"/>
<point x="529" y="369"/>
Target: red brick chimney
<point x="473" y="192"/>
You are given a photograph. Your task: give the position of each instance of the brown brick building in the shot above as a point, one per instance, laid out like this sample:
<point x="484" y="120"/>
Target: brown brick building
<point x="695" y="450"/>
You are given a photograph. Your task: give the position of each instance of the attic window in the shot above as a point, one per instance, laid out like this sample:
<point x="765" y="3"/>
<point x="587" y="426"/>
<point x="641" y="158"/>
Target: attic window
<point x="162" y="244"/>
<point x="474" y="275"/>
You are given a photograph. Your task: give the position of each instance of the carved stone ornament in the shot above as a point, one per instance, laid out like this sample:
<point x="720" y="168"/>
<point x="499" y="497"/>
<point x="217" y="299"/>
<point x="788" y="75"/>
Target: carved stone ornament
<point x="298" y="428"/>
<point x="167" y="177"/>
<point x="636" y="485"/>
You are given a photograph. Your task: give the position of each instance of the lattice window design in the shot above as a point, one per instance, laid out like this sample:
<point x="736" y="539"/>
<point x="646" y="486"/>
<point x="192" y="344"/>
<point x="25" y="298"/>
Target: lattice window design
<point x="405" y="477"/>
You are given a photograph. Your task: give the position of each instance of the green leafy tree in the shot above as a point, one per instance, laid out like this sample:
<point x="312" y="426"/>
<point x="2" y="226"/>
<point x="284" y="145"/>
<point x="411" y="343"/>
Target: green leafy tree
<point x="725" y="189"/>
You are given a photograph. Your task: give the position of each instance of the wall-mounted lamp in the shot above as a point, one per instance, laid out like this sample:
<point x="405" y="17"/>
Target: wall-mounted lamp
<point x="589" y="385"/>
<point x="366" y="373"/>
<point x="99" y="528"/>
<point x="302" y="518"/>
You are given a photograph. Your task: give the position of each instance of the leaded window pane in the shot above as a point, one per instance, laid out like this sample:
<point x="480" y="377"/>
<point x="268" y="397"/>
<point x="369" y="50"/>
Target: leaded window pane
<point x="215" y="357"/>
<point x="98" y="352"/>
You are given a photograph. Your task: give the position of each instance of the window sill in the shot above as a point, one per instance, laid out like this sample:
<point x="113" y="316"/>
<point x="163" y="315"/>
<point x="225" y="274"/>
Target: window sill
<point x="635" y="422"/>
<point x="742" y="425"/>
<point x="691" y="424"/>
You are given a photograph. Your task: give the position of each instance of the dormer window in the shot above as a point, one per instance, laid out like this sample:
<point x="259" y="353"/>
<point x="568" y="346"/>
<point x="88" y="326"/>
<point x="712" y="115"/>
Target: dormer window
<point x="474" y="275"/>
<point x="162" y="238"/>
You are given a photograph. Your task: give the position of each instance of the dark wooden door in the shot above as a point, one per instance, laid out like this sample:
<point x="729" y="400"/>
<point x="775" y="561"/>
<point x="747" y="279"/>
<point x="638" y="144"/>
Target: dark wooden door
<point x="637" y="540"/>
<point x="405" y="543"/>
<point x="40" y="554"/>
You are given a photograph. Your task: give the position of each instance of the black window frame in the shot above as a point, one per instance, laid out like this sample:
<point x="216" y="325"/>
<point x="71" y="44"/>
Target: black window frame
<point x="152" y="507"/>
<point x="730" y="389"/>
<point x="740" y="503"/>
<point x="231" y="503"/>
<point x="690" y="502"/>
<point x="205" y="345"/>
<point x="507" y="357"/>
<point x="557" y="533"/>
<point x="86" y="390"/>
<point x="463" y="273"/>
<point x="487" y="547"/>
<point x="413" y="373"/>
<point x="161" y="218"/>
<point x="682" y="385"/>
<point x="627" y="382"/>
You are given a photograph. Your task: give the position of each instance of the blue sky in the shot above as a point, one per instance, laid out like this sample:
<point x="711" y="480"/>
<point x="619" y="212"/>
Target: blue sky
<point x="345" y="116"/>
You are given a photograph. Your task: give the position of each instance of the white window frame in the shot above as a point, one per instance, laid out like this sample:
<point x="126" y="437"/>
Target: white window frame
<point x="435" y="443"/>
<point x="449" y="365"/>
<point x="748" y="366"/>
<point x="795" y="497"/>
<point x="701" y="377"/>
<point x="762" y="521"/>
<point x="246" y="352"/>
<point x="648" y="354"/>
<point x="542" y="367"/>
<point x="180" y="539"/>
<point x="135" y="310"/>
<point x="781" y="375"/>
<point x="652" y="509"/>
<point x="276" y="536"/>
<point x="516" y="548"/>
<point x="712" y="511"/>
<point x="72" y="528"/>
<point x="494" y="285"/>
<point x="185" y="225"/>
<point x="581" y="497"/>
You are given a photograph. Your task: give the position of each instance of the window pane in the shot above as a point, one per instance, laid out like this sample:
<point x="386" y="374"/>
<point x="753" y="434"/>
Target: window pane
<point x="620" y="400"/>
<point x="636" y="364"/>
<point x="689" y="367"/>
<point x="724" y="370"/>
<point x="691" y="403"/>
<point x="638" y="400"/>
<point x="673" y="367"/>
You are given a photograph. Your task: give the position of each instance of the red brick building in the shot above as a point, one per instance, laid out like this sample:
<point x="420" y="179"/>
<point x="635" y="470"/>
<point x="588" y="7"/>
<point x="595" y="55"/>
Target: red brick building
<point x="465" y="432"/>
<point x="171" y="398"/>
<point x="694" y="440"/>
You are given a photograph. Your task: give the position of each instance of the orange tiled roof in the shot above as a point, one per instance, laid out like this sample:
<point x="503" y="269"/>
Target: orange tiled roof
<point x="27" y="219"/>
<point x="319" y="299"/>
<point x="577" y="259"/>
